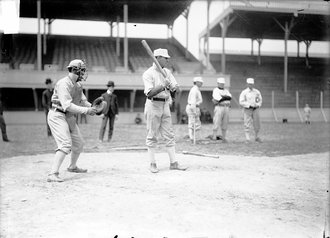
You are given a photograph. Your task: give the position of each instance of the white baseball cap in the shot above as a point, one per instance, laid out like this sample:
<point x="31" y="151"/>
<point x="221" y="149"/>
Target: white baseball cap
<point x="250" y="80"/>
<point x="76" y="63"/>
<point x="198" y="79"/>
<point x="161" y="52"/>
<point x="221" y="80"/>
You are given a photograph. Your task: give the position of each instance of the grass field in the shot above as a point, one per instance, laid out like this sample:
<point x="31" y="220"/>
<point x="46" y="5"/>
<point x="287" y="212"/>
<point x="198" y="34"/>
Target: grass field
<point x="278" y="139"/>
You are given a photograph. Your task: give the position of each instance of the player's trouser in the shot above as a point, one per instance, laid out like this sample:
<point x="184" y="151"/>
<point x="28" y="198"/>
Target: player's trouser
<point x="65" y="132"/>
<point x="220" y="118"/>
<point x="251" y="117"/>
<point x="193" y="120"/>
<point x="3" y="128"/>
<point x="159" y="121"/>
<point x="104" y="125"/>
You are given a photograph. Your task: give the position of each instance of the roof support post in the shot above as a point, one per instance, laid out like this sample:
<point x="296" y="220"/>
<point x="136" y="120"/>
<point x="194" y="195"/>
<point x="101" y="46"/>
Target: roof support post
<point x="308" y="44"/>
<point x="259" y="51"/>
<point x="45" y="38"/>
<point x="287" y="29"/>
<point x="208" y="35"/>
<point x="187" y="32"/>
<point x="125" y="38"/>
<point x="118" y="39"/>
<point x="132" y="100"/>
<point x="298" y="49"/>
<point x="224" y="24"/>
<point x="39" y="36"/>
<point x="252" y="47"/>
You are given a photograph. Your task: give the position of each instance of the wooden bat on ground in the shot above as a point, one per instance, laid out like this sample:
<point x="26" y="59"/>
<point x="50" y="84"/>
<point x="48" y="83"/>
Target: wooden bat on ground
<point x="200" y="154"/>
<point x="149" y="51"/>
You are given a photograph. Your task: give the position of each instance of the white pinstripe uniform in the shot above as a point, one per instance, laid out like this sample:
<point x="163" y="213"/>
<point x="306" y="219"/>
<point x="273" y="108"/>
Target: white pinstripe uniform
<point x="251" y="100"/>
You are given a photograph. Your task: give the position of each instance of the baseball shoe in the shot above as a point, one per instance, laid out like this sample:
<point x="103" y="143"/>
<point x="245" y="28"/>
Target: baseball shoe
<point x="176" y="166"/>
<point x="77" y="170"/>
<point x="153" y="168"/>
<point x="258" y="140"/>
<point x="6" y="140"/>
<point x="54" y="178"/>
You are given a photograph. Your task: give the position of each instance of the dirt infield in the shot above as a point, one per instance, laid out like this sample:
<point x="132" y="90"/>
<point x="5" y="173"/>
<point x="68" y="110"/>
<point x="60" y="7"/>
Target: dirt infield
<point x="232" y="196"/>
<point x="274" y="189"/>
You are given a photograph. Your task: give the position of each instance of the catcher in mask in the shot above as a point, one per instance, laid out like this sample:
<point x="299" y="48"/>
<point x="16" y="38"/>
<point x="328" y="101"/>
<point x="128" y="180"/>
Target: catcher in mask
<point x="68" y="100"/>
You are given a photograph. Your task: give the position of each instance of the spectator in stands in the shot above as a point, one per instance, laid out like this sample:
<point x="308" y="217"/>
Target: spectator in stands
<point x="250" y="99"/>
<point x="307" y="112"/>
<point x="111" y="112"/>
<point x="221" y="98"/>
<point x="46" y="101"/>
<point x="3" y="124"/>
<point x="157" y="89"/>
<point x="193" y="110"/>
<point x="68" y="100"/>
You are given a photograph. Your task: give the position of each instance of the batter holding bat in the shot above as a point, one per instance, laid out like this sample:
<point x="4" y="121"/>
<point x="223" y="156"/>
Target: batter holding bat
<point x="67" y="101"/>
<point x="158" y="85"/>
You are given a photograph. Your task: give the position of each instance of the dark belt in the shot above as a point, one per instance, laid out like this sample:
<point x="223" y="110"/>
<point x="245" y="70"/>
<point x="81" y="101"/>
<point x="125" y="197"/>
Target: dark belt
<point x="191" y="105"/>
<point x="58" y="110"/>
<point x="223" y="105"/>
<point x="157" y="99"/>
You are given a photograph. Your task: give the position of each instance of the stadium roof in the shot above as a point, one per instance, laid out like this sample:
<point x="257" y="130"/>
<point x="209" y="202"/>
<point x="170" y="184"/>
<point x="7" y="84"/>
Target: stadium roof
<point x="139" y="11"/>
<point x="264" y="23"/>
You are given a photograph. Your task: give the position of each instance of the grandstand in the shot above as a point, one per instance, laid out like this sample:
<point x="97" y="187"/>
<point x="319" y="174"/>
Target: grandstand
<point x="19" y="74"/>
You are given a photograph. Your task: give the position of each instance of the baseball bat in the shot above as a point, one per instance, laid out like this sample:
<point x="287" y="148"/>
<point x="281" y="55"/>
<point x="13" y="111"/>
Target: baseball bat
<point x="149" y="51"/>
<point x="200" y="154"/>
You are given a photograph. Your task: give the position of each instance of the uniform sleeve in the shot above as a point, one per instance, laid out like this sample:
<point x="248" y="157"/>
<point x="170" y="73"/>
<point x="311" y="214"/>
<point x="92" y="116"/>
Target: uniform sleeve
<point x="243" y="101"/>
<point x="174" y="83"/>
<point x="148" y="82"/>
<point x="216" y="95"/>
<point x="84" y="101"/>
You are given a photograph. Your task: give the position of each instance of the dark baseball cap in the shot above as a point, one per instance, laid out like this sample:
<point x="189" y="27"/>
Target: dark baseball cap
<point x="110" y="84"/>
<point x="48" y="80"/>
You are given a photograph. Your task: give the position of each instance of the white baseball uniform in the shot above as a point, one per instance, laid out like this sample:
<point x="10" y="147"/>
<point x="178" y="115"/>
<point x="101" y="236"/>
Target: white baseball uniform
<point x="221" y="109"/>
<point x="192" y="109"/>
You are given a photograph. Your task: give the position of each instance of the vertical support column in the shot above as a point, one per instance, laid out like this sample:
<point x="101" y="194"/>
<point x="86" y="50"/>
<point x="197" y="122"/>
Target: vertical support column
<point x="118" y="39"/>
<point x="252" y="41"/>
<point x="39" y="53"/>
<point x="286" y="37"/>
<point x="35" y="99"/>
<point x="125" y="38"/>
<point x="298" y="49"/>
<point x="308" y="44"/>
<point x="45" y="38"/>
<point x="132" y="100"/>
<point x="87" y="93"/>
<point x="259" y="51"/>
<point x="187" y="34"/>
<point x="208" y="35"/>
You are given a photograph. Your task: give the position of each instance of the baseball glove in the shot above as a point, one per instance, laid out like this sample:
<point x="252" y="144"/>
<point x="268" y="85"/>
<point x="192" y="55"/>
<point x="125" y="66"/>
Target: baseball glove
<point x="100" y="105"/>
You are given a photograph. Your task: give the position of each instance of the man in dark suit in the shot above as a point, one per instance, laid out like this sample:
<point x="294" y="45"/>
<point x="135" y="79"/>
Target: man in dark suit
<point x="46" y="100"/>
<point x="111" y="111"/>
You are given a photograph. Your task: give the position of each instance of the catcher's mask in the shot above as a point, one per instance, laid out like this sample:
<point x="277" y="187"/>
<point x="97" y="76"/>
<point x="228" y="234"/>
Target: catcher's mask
<point x="78" y="67"/>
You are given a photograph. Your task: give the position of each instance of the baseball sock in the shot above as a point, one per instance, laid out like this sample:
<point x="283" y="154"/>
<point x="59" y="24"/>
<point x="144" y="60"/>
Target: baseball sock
<point x="171" y="154"/>
<point x="59" y="157"/>
<point x="151" y="154"/>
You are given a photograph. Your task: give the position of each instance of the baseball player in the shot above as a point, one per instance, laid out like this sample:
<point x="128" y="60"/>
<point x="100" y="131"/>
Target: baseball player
<point x="307" y="112"/>
<point x="46" y="100"/>
<point x="67" y="101"/>
<point x="221" y="98"/>
<point x="250" y="99"/>
<point x="157" y="109"/>
<point x="193" y="109"/>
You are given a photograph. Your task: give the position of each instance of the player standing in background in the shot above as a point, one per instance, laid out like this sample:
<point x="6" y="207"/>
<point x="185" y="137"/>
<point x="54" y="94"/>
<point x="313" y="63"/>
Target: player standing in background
<point x="307" y="111"/>
<point x="250" y="99"/>
<point x="193" y="109"/>
<point x="221" y="98"/>
<point x="111" y="111"/>
<point x="157" y="109"/>
<point x="67" y="101"/>
<point x="46" y="101"/>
